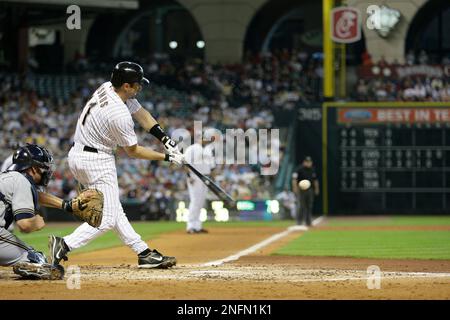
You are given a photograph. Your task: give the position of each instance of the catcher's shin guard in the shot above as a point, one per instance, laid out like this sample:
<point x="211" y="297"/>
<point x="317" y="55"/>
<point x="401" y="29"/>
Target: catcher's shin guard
<point x="39" y="271"/>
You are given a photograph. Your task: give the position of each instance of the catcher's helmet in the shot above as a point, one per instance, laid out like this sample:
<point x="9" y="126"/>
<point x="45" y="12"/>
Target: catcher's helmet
<point x="33" y="155"/>
<point x="128" y="72"/>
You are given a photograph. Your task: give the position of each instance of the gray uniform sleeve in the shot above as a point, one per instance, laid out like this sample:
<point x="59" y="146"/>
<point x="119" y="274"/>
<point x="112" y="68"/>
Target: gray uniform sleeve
<point x="133" y="105"/>
<point x="22" y="203"/>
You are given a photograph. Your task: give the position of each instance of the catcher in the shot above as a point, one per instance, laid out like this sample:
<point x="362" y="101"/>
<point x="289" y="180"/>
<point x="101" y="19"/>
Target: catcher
<point x="32" y="168"/>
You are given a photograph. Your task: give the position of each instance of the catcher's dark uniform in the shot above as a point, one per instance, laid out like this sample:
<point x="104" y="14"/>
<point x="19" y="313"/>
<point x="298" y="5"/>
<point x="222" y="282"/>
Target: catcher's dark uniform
<point x="305" y="197"/>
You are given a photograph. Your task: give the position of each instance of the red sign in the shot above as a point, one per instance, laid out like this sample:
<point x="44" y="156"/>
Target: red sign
<point x="393" y="115"/>
<point x="345" y="24"/>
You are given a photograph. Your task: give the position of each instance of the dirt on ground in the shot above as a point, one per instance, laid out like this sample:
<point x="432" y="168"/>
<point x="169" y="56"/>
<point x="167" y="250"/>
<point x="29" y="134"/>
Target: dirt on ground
<point x="113" y="273"/>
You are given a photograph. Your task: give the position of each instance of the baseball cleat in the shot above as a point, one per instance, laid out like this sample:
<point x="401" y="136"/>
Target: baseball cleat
<point x="39" y="271"/>
<point x="196" y="231"/>
<point x="57" y="249"/>
<point x="154" y="259"/>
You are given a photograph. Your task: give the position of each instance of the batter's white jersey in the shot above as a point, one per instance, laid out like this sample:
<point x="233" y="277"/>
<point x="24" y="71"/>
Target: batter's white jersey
<point x="106" y="121"/>
<point x="104" y="124"/>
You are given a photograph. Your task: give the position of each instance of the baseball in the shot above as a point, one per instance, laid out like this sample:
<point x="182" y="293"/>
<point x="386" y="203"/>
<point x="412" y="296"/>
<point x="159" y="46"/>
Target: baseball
<point x="304" y="184"/>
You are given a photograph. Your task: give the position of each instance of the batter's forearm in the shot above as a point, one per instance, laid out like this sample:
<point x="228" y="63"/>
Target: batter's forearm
<point x="152" y="126"/>
<point x="49" y="200"/>
<point x="145" y="119"/>
<point x="140" y="152"/>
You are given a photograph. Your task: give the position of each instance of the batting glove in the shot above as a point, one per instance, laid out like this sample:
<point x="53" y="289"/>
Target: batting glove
<point x="176" y="157"/>
<point x="170" y="145"/>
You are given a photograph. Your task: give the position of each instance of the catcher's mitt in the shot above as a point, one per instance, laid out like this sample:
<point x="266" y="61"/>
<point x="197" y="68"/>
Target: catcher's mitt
<point x="88" y="206"/>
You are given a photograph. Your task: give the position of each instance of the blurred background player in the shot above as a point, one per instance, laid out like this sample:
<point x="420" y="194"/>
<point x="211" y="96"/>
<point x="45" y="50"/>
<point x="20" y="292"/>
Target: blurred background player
<point x="6" y="163"/>
<point x="305" y="171"/>
<point x="200" y="155"/>
<point x="288" y="202"/>
<point x="105" y="123"/>
<point x="31" y="169"/>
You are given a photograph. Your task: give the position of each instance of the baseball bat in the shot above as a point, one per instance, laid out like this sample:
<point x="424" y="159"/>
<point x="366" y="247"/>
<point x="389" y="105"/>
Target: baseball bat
<point x="218" y="191"/>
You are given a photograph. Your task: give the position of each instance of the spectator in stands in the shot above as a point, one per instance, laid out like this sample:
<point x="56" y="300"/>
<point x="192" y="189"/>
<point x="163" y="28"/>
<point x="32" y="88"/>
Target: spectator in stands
<point x="410" y="58"/>
<point x="385" y="85"/>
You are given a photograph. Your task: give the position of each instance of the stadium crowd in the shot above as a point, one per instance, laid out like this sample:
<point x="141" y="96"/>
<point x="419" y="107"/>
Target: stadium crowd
<point x="245" y="95"/>
<point x="270" y="80"/>
<point x="418" y="79"/>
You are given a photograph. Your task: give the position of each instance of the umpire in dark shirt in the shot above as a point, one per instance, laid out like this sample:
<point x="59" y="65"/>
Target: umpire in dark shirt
<point x="305" y="171"/>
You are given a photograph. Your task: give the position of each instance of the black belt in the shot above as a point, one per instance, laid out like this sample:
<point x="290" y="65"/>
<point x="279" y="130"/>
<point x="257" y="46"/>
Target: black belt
<point x="88" y="149"/>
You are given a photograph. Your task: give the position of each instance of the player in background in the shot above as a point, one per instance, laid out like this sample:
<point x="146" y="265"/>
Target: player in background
<point x="105" y="123"/>
<point x="199" y="155"/>
<point x="6" y="163"/>
<point x="32" y="168"/>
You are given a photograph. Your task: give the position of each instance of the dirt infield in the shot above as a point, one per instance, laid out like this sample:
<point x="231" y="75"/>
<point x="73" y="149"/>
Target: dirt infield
<point x="112" y="273"/>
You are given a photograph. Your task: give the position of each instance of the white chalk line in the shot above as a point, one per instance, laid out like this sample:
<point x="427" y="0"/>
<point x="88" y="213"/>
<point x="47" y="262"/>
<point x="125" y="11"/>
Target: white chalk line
<point x="393" y="277"/>
<point x="289" y="230"/>
<point x="386" y="275"/>
<point x="231" y="273"/>
<point x="261" y="244"/>
<point x="318" y="220"/>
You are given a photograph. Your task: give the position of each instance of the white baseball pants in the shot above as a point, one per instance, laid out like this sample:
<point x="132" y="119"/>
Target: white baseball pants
<point x="98" y="170"/>
<point x="197" y="195"/>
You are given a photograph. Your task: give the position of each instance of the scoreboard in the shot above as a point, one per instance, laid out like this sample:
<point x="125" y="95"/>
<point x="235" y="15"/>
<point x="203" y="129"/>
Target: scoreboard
<point x="388" y="159"/>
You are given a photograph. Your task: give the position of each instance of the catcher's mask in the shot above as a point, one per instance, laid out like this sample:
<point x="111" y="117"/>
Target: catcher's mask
<point x="33" y="155"/>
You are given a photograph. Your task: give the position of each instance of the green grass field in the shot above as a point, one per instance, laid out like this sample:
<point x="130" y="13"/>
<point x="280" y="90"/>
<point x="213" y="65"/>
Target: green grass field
<point x="147" y="230"/>
<point x="400" y="244"/>
<point x="391" y="221"/>
<point x="395" y="244"/>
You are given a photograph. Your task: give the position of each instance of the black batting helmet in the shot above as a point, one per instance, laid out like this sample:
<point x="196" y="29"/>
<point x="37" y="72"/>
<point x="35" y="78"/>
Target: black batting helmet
<point x="128" y="72"/>
<point x="33" y="155"/>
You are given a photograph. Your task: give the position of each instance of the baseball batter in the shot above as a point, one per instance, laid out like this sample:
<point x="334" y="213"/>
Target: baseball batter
<point x="105" y="123"/>
<point x="32" y="167"/>
<point x="202" y="158"/>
